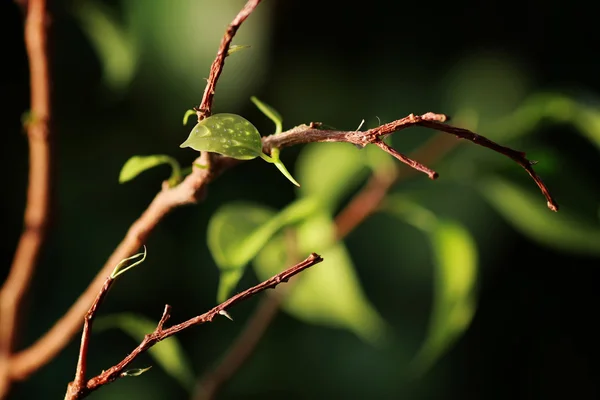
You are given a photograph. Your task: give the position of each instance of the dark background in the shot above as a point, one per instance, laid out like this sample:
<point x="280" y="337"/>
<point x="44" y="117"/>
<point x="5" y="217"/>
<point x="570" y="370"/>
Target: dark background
<point x="534" y="335"/>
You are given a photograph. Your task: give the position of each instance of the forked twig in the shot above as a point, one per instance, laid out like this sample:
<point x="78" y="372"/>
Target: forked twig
<point x="80" y="388"/>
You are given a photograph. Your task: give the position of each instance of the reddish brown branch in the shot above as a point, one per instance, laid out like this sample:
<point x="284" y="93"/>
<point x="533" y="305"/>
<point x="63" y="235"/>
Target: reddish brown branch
<point x="37" y="209"/>
<point x="160" y="333"/>
<point x="406" y="160"/>
<point x="204" y="110"/>
<point x="78" y="385"/>
<point x="307" y="134"/>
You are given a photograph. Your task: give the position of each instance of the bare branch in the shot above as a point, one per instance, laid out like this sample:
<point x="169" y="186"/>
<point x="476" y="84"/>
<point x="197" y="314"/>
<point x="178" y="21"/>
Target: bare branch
<point x="160" y="333"/>
<point x="204" y="110"/>
<point x="307" y="134"/>
<point x="37" y="209"/>
<point x="78" y="385"/>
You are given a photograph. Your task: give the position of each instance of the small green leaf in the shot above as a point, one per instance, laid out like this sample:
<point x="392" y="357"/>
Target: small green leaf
<point x="270" y="112"/>
<point x="274" y="159"/>
<point x="138" y="164"/>
<point x="115" y="47"/>
<point x="236" y="47"/>
<point x="237" y="232"/>
<point x="122" y="267"/>
<point x="187" y="115"/>
<point x="228" y="134"/>
<point x="27" y="118"/>
<point x="168" y="353"/>
<point x="329" y="171"/>
<point x="526" y="213"/>
<point x="329" y="295"/>
<point x="456" y="265"/>
<point x="135" y="371"/>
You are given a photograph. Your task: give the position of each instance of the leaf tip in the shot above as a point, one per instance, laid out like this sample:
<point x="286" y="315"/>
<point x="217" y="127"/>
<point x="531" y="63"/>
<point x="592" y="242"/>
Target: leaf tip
<point x="225" y="314"/>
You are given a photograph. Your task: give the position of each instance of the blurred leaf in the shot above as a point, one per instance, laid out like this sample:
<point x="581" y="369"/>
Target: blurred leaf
<point x="270" y="112"/>
<point x="168" y="353"/>
<point x="228" y="134"/>
<point x="115" y="47"/>
<point x="329" y="171"/>
<point x="455" y="256"/>
<point x="488" y="83"/>
<point x="329" y="294"/>
<point x="553" y="107"/>
<point x="238" y="231"/>
<point x="138" y="164"/>
<point x="177" y="42"/>
<point x="526" y="213"/>
<point x="135" y="371"/>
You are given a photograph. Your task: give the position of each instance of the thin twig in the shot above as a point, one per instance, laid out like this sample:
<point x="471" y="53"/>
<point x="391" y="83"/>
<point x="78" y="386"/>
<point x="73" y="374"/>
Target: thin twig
<point x="37" y="209"/>
<point x="79" y="383"/>
<point x="160" y="333"/>
<point x="205" y="108"/>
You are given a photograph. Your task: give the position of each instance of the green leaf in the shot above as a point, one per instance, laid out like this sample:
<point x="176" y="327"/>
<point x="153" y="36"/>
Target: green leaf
<point x="236" y="47"/>
<point x="228" y="134"/>
<point x="527" y="214"/>
<point x="329" y="171"/>
<point x="187" y="115"/>
<point x="238" y="231"/>
<point x="122" y="267"/>
<point x="456" y="265"/>
<point x="115" y="47"/>
<point x="168" y="353"/>
<point x="270" y="112"/>
<point x="553" y="107"/>
<point x="135" y="371"/>
<point x="138" y="164"/>
<point x="330" y="294"/>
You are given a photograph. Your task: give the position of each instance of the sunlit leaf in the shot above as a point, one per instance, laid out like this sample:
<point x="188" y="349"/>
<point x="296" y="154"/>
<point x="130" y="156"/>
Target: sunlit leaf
<point x="168" y="354"/>
<point x="270" y="112"/>
<point x="329" y="294"/>
<point x="228" y="134"/>
<point x="238" y="231"/>
<point x="138" y="164"/>
<point x="329" y="171"/>
<point x="234" y="48"/>
<point x="187" y="115"/>
<point x="526" y="213"/>
<point x="135" y="371"/>
<point x="455" y="259"/>
<point x="124" y="265"/>
<point x="114" y="45"/>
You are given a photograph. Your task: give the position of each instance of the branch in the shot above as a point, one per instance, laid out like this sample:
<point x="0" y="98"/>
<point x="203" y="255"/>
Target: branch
<point x="79" y="391"/>
<point x="37" y="209"/>
<point x="310" y="133"/>
<point x="204" y="110"/>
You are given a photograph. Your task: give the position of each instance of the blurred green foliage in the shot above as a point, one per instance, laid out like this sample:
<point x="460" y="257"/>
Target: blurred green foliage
<point x="123" y="73"/>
